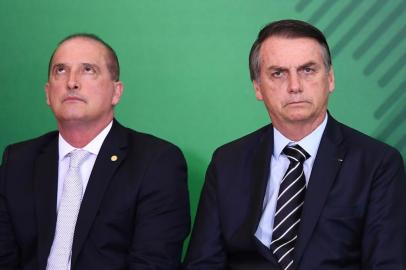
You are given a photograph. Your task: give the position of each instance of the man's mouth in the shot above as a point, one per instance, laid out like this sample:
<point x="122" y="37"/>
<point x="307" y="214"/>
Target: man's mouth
<point x="299" y="102"/>
<point x="73" y="99"/>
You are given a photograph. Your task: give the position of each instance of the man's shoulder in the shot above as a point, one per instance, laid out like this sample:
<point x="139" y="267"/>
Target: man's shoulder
<point x="145" y="143"/>
<point x="149" y="140"/>
<point x="28" y="149"/>
<point x="358" y="141"/>
<point x="245" y="145"/>
<point x="33" y="144"/>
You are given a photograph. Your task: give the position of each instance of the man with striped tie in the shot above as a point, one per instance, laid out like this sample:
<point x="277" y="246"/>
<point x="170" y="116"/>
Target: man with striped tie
<point x="305" y="192"/>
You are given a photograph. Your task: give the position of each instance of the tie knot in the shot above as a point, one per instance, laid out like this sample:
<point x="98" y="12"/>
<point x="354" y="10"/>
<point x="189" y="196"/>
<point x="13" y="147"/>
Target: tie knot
<point x="295" y="153"/>
<point x="77" y="157"/>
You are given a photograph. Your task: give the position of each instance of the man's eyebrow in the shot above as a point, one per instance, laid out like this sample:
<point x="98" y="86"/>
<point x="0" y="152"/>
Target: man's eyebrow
<point x="82" y="64"/>
<point x="94" y="65"/>
<point x="57" y="65"/>
<point x="308" y="64"/>
<point x="273" y="67"/>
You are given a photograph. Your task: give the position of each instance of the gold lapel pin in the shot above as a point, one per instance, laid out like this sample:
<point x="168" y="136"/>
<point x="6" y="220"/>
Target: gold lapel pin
<point x="114" y="158"/>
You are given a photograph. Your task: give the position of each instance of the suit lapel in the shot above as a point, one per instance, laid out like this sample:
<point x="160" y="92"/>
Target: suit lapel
<point x="260" y="177"/>
<point x="111" y="154"/>
<point x="46" y="185"/>
<point x="325" y="168"/>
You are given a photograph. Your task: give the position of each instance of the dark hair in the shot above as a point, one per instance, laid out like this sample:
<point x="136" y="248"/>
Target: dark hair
<point x="112" y="61"/>
<point x="287" y="29"/>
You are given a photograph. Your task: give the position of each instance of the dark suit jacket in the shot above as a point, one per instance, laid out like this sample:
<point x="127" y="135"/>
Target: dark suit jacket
<point x="354" y="214"/>
<point x="134" y="213"/>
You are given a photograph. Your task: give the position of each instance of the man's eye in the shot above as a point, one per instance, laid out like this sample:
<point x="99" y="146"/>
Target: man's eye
<point x="308" y="70"/>
<point x="59" y="69"/>
<point x="277" y="74"/>
<point x="89" y="69"/>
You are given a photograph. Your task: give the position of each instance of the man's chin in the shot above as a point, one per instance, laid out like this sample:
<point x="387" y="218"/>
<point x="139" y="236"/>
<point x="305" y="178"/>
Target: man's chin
<point x="71" y="118"/>
<point x="299" y="116"/>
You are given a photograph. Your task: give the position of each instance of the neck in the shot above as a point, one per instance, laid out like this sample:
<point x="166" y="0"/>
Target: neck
<point x="296" y="131"/>
<point x="80" y="134"/>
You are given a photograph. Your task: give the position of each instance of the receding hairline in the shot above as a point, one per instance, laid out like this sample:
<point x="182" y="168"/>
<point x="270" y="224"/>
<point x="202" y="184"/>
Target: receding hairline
<point x="110" y="55"/>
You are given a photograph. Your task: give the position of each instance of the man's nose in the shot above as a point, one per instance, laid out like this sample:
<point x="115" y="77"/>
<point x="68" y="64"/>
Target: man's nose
<point x="73" y="82"/>
<point x="294" y="83"/>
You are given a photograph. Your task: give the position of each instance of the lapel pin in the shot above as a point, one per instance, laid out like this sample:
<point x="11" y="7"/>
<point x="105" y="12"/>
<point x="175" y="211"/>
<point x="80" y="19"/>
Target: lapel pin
<point x="114" y="158"/>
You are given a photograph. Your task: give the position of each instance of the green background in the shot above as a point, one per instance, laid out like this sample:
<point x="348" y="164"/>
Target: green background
<point x="185" y="70"/>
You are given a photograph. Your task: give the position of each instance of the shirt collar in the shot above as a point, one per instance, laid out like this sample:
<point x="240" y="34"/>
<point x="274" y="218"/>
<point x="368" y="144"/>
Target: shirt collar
<point x="93" y="146"/>
<point x="310" y="143"/>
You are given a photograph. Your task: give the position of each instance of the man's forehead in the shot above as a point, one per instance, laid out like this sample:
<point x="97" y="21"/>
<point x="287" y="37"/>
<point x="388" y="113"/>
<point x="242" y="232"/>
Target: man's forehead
<point x="81" y="40"/>
<point x="281" y="43"/>
<point x="80" y="49"/>
<point x="291" y="50"/>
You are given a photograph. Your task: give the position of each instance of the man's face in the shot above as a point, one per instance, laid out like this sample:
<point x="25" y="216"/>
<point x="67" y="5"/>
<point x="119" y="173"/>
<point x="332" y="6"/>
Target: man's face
<point x="293" y="81"/>
<point x="80" y="88"/>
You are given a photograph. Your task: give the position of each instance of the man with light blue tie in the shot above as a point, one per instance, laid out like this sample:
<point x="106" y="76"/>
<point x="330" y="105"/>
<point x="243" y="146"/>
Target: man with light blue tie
<point x="94" y="194"/>
<point x="305" y="192"/>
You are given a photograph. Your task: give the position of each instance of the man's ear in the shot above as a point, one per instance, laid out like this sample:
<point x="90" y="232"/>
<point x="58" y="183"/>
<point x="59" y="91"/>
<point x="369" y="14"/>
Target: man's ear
<point x="46" y="88"/>
<point x="118" y="91"/>
<point x="257" y="89"/>
<point x="331" y="80"/>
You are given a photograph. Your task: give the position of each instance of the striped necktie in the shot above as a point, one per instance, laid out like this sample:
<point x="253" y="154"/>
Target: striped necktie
<point x="289" y="206"/>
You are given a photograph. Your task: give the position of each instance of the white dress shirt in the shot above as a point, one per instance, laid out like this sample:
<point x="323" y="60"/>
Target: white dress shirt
<point x="86" y="168"/>
<point x="279" y="165"/>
